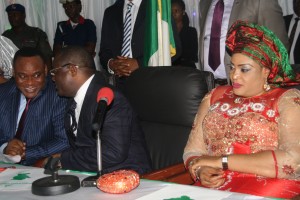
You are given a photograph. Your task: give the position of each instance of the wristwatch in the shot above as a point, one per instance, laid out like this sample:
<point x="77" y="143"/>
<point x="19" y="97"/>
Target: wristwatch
<point x="225" y="162"/>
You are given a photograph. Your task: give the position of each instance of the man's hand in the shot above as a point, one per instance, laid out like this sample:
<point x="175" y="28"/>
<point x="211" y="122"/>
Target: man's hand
<point x="43" y="161"/>
<point x="15" y="147"/>
<point x="123" y="66"/>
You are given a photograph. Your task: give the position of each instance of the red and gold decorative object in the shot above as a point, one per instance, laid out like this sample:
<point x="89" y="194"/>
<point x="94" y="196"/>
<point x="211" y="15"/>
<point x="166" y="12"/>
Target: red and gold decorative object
<point x="118" y="182"/>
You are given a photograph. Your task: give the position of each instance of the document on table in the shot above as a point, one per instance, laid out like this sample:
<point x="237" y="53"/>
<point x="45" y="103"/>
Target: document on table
<point x="182" y="192"/>
<point x="19" y="179"/>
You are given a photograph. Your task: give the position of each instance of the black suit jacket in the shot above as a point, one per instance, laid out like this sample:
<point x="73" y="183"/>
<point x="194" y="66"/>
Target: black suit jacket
<point x="112" y="33"/>
<point x="122" y="140"/>
<point x="296" y="52"/>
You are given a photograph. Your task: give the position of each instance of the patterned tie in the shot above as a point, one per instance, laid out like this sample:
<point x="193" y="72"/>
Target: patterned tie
<point x="214" y="48"/>
<point x="22" y="120"/>
<point x="126" y="46"/>
<point x="292" y="35"/>
<point x="71" y="114"/>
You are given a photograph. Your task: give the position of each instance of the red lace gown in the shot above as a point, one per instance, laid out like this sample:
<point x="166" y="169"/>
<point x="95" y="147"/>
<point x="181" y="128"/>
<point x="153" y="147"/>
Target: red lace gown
<point x="234" y="125"/>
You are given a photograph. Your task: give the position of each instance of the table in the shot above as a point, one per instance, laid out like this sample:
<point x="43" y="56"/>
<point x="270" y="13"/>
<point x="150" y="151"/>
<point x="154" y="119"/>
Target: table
<point x="147" y="190"/>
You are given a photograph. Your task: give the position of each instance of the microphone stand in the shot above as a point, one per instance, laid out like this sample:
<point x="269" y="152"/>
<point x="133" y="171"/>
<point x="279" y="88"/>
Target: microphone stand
<point x="91" y="181"/>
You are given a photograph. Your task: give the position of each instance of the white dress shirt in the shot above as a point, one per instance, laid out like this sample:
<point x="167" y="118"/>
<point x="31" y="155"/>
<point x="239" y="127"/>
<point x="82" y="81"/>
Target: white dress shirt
<point x="293" y="21"/>
<point x="79" y="98"/>
<point x="220" y="71"/>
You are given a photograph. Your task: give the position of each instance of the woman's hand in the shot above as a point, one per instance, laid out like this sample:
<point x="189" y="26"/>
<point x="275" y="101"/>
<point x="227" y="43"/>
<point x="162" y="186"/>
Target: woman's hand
<point x="207" y="169"/>
<point x="211" y="177"/>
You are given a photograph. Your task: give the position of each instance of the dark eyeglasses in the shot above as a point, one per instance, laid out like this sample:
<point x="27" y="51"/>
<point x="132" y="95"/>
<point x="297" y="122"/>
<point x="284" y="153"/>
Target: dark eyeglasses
<point x="54" y="71"/>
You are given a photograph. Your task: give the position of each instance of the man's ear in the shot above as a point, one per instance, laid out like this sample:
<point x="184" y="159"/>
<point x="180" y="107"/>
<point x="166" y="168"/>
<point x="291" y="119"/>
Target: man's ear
<point x="46" y="70"/>
<point x="73" y="69"/>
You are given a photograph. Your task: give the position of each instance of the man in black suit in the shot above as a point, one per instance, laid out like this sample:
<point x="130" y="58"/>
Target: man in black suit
<point x="123" y="144"/>
<point x="110" y="54"/>
<point x="112" y="35"/>
<point x="290" y="22"/>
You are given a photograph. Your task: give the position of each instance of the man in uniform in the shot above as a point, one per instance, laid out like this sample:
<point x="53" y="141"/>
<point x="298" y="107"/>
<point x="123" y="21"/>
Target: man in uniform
<point x="23" y="35"/>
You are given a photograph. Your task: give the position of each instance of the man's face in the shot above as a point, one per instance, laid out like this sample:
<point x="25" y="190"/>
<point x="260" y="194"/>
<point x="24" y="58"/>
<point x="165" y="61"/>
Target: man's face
<point x="30" y="75"/>
<point x="62" y="76"/>
<point x="72" y="9"/>
<point x="16" y="18"/>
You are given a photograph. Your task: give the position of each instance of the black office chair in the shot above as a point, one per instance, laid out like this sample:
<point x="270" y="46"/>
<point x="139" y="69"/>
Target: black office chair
<point x="166" y="100"/>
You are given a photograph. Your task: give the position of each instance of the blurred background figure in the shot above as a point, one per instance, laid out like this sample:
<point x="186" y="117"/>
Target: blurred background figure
<point x="187" y="34"/>
<point x="23" y="35"/>
<point x="293" y="29"/>
<point x="7" y="52"/>
<point x="76" y="30"/>
<point x="215" y="19"/>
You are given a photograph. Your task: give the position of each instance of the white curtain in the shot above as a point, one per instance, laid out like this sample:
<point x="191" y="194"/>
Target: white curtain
<point x="46" y="13"/>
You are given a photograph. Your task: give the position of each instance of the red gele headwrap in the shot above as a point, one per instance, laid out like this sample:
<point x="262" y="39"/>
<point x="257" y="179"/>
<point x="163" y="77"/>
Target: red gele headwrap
<point x="263" y="46"/>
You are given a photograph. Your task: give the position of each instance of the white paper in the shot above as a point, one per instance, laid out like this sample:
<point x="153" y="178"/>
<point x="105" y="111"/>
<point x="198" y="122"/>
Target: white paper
<point x="19" y="179"/>
<point x="182" y="192"/>
<point x="10" y="159"/>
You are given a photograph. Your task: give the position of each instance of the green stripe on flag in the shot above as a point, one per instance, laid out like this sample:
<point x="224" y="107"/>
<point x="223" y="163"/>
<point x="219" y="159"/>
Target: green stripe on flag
<point x="159" y="40"/>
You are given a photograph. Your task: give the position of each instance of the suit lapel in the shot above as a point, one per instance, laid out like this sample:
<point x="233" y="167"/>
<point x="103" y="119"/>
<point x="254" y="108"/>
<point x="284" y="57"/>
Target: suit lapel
<point x="118" y="15"/>
<point x="140" y="18"/>
<point x="15" y="109"/>
<point x="236" y="8"/>
<point x="204" y="7"/>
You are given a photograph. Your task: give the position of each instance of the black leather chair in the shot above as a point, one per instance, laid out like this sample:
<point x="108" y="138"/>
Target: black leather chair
<point x="166" y="100"/>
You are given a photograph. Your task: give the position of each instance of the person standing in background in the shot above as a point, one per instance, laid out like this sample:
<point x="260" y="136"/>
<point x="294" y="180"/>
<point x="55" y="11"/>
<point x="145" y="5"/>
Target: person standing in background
<point x="293" y="29"/>
<point x="76" y="30"/>
<point x="217" y="16"/>
<point x="187" y="34"/>
<point x="122" y="45"/>
<point x="23" y="35"/>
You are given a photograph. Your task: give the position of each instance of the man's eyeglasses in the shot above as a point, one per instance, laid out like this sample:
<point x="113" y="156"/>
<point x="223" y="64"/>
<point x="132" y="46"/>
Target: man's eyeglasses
<point x="54" y="71"/>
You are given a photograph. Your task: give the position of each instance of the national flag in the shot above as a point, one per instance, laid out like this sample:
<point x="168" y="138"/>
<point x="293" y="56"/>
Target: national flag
<point x="159" y="40"/>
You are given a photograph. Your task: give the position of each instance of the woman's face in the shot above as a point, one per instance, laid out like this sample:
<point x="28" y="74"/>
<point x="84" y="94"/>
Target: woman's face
<point x="177" y="12"/>
<point x="247" y="76"/>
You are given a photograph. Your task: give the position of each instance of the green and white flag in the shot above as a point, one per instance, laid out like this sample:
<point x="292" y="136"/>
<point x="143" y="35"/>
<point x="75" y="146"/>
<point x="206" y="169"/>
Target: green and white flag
<point x="159" y="40"/>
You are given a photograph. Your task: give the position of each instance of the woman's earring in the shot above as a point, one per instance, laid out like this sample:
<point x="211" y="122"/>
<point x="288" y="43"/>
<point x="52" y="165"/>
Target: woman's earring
<point x="267" y="87"/>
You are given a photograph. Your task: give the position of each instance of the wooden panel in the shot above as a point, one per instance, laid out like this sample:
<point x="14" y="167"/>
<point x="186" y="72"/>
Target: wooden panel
<point x="175" y="174"/>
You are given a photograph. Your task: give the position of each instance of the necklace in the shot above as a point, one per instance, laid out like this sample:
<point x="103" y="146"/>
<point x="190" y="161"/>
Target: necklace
<point x="238" y="100"/>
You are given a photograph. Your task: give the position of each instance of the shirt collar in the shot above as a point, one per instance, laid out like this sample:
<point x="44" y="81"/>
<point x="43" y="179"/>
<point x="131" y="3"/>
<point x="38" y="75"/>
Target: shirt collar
<point x="81" y="20"/>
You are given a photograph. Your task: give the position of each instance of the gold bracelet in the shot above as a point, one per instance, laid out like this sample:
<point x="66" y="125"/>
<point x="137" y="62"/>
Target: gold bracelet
<point x="197" y="173"/>
<point x="193" y="161"/>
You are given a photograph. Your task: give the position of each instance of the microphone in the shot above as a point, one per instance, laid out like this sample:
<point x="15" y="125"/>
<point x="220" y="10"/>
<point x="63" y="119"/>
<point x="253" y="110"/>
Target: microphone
<point x="104" y="99"/>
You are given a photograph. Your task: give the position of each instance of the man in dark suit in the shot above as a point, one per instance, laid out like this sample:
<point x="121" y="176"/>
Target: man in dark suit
<point x="292" y="21"/>
<point x="123" y="144"/>
<point x="40" y="132"/>
<point x="267" y="13"/>
<point x="112" y="39"/>
<point x="112" y="59"/>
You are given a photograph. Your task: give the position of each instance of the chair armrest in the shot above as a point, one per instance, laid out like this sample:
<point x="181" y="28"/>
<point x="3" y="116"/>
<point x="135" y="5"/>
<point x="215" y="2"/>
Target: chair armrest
<point x="175" y="173"/>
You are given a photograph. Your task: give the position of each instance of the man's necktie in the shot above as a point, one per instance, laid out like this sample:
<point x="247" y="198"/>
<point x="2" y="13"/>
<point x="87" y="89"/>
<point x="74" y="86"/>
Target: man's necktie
<point x="214" y="47"/>
<point x="22" y="120"/>
<point x="127" y="31"/>
<point x="292" y="35"/>
<point x="71" y="113"/>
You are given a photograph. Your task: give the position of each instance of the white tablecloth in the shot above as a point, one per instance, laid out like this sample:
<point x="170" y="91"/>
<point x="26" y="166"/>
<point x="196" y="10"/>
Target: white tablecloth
<point x="147" y="190"/>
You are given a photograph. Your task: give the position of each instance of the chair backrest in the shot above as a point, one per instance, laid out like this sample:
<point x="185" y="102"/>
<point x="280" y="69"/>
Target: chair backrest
<point x="166" y="100"/>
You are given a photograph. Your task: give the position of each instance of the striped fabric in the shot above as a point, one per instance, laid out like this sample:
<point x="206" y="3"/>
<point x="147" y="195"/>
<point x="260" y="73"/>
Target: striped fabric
<point x="126" y="47"/>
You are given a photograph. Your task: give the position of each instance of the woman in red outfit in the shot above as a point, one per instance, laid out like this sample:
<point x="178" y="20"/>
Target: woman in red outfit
<point x="245" y="136"/>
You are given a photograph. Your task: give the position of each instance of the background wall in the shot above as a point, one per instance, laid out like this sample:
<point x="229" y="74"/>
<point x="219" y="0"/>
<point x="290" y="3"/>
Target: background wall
<point x="46" y="13"/>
